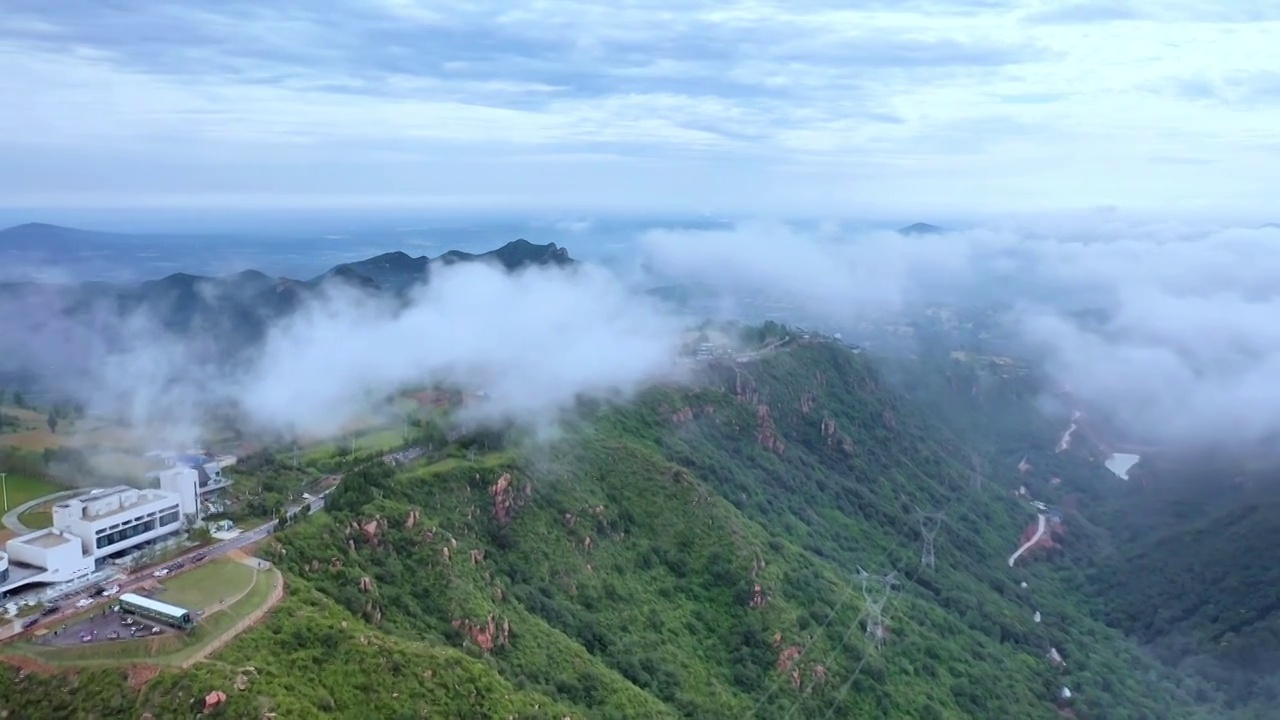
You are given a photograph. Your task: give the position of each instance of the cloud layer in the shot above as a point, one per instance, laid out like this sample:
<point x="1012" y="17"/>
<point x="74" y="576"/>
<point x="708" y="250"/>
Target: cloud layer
<point x="950" y="106"/>
<point x="534" y="341"/>
<point x="1189" y="349"/>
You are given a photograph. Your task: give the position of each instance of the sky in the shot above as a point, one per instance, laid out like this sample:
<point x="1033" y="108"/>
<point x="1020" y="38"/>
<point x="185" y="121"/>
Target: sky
<point x="914" y="108"/>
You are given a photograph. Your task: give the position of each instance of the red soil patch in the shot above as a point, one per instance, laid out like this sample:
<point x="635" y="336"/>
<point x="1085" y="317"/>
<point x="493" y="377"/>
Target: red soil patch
<point x="140" y="675"/>
<point x="28" y="664"/>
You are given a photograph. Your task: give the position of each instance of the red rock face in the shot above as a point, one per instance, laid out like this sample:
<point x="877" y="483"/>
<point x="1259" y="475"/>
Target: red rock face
<point x="488" y="634"/>
<point x="788" y="657"/>
<point x="504" y="500"/>
<point x="766" y="433"/>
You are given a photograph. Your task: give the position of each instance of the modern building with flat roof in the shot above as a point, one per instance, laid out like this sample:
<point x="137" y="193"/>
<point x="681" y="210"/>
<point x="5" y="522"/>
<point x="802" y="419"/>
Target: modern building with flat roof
<point x="49" y="556"/>
<point x="111" y="520"/>
<point x="90" y="528"/>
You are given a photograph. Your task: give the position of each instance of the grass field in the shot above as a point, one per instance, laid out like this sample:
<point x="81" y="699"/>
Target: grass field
<point x="22" y="488"/>
<point x="376" y="439"/>
<point x="37" y="518"/>
<point x="168" y="649"/>
<point x="486" y="460"/>
<point x="201" y="588"/>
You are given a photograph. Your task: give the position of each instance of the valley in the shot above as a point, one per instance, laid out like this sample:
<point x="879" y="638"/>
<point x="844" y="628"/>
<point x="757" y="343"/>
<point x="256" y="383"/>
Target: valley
<point x="749" y="539"/>
<point x="730" y="521"/>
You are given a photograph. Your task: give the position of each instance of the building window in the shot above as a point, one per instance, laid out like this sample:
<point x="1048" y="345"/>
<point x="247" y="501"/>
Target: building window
<point x="123" y="534"/>
<point x="169" y="518"/>
<point x="4" y="576"/>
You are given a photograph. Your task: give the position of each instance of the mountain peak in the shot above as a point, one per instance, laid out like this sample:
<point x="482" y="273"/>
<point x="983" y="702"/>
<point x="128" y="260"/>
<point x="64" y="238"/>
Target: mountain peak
<point x="921" y="228"/>
<point x="43" y="237"/>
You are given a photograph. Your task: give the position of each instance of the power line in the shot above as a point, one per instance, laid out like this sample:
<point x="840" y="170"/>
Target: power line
<point x="875" y="591"/>
<point x="930" y="524"/>
<point x="808" y="644"/>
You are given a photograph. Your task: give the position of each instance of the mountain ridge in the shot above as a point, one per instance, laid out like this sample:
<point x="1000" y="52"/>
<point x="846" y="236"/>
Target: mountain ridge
<point x="692" y="553"/>
<point x="234" y="312"/>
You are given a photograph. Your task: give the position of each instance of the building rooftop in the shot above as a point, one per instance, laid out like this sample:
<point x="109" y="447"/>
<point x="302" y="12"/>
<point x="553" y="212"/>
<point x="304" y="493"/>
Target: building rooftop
<point x="47" y="539"/>
<point x="112" y="501"/>
<point x="20" y="573"/>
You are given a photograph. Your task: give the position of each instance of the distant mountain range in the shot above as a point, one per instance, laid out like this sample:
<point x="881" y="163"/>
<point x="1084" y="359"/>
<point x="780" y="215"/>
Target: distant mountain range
<point x="228" y="313"/>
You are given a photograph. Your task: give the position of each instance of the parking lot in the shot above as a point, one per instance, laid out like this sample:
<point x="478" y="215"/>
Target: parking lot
<point x="103" y="625"/>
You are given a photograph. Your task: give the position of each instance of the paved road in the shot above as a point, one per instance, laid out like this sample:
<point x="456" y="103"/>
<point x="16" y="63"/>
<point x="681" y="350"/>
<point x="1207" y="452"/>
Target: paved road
<point x="1027" y="545"/>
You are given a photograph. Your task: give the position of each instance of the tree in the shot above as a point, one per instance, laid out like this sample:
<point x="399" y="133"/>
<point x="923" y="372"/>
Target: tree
<point x="19" y="401"/>
<point x="52" y="420"/>
<point x="2" y="398"/>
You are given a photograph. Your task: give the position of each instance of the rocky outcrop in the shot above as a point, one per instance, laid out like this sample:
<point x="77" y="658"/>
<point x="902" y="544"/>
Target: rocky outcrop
<point x="682" y="416"/>
<point x="505" y="498"/>
<point x="744" y="389"/>
<point x="766" y="432"/>
<point x="214" y="700"/>
<point x="788" y="664"/>
<point x="486" y="635"/>
<point x="371" y="529"/>
<point x="807" y="401"/>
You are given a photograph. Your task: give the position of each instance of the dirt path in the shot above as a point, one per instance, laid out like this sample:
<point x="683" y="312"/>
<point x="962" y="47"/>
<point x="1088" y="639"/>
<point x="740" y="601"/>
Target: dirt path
<point x="277" y="594"/>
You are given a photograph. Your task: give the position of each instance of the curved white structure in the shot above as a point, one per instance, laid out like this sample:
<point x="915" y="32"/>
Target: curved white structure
<point x="1027" y="545"/>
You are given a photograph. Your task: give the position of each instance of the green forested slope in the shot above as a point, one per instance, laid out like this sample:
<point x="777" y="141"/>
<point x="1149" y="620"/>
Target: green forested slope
<point x="1197" y="579"/>
<point x="689" y="555"/>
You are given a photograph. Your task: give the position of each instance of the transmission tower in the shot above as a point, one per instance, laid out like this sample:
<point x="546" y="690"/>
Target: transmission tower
<point x="876" y="590"/>
<point x="976" y="462"/>
<point x="930" y="524"/>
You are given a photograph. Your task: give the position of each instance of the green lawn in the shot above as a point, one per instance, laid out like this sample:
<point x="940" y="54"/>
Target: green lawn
<point x="23" y="488"/>
<point x="204" y="586"/>
<point x="487" y="461"/>
<point x="37" y="518"/>
<point x="375" y="439"/>
<point x="381" y="439"/>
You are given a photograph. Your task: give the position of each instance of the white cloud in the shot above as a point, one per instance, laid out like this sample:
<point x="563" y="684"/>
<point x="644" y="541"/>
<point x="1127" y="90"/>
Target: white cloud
<point x="1190" y="351"/>
<point x="536" y="341"/>
<point x="947" y="106"/>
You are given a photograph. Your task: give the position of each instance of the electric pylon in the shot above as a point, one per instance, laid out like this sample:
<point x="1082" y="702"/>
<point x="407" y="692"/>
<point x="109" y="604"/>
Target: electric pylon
<point x="976" y="462"/>
<point x="876" y="590"/>
<point x="930" y="524"/>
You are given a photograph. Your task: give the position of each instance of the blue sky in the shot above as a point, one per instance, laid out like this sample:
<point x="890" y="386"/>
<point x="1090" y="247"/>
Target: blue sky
<point x="908" y="108"/>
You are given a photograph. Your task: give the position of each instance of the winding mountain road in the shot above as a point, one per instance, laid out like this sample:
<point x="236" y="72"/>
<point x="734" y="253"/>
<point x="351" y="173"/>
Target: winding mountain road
<point x="1027" y="545"/>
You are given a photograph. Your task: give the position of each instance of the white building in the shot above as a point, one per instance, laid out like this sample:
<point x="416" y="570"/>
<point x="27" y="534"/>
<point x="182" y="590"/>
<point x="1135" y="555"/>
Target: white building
<point x="115" y="519"/>
<point x="205" y="470"/>
<point x="89" y="528"/>
<point x="47" y="556"/>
